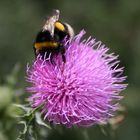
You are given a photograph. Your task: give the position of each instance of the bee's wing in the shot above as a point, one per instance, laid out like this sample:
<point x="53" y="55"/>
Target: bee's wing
<point x="49" y="25"/>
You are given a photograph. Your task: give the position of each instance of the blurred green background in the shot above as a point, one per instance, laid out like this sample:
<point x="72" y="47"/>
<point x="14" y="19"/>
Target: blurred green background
<point x="115" y="22"/>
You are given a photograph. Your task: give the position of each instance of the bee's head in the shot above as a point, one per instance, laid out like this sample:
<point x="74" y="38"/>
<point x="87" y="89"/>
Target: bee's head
<point x="63" y="30"/>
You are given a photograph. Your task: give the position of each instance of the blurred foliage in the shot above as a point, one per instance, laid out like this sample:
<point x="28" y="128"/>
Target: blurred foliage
<point x="115" y="22"/>
<point x="32" y="122"/>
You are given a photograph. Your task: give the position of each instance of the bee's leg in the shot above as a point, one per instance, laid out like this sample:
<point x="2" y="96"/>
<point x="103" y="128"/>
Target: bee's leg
<point x="62" y="50"/>
<point x="35" y="52"/>
<point x="63" y="58"/>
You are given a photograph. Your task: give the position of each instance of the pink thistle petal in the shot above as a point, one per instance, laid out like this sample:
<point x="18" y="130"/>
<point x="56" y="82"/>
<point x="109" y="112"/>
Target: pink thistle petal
<point x="84" y="90"/>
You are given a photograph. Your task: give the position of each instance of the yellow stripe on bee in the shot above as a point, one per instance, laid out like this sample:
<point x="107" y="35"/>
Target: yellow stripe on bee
<point x="59" y="26"/>
<point x="47" y="45"/>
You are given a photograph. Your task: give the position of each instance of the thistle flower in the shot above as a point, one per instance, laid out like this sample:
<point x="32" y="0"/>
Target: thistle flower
<point x="84" y="90"/>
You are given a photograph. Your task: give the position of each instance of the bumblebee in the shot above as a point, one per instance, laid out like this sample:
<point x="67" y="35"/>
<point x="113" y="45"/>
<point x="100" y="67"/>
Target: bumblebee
<point x="50" y="40"/>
